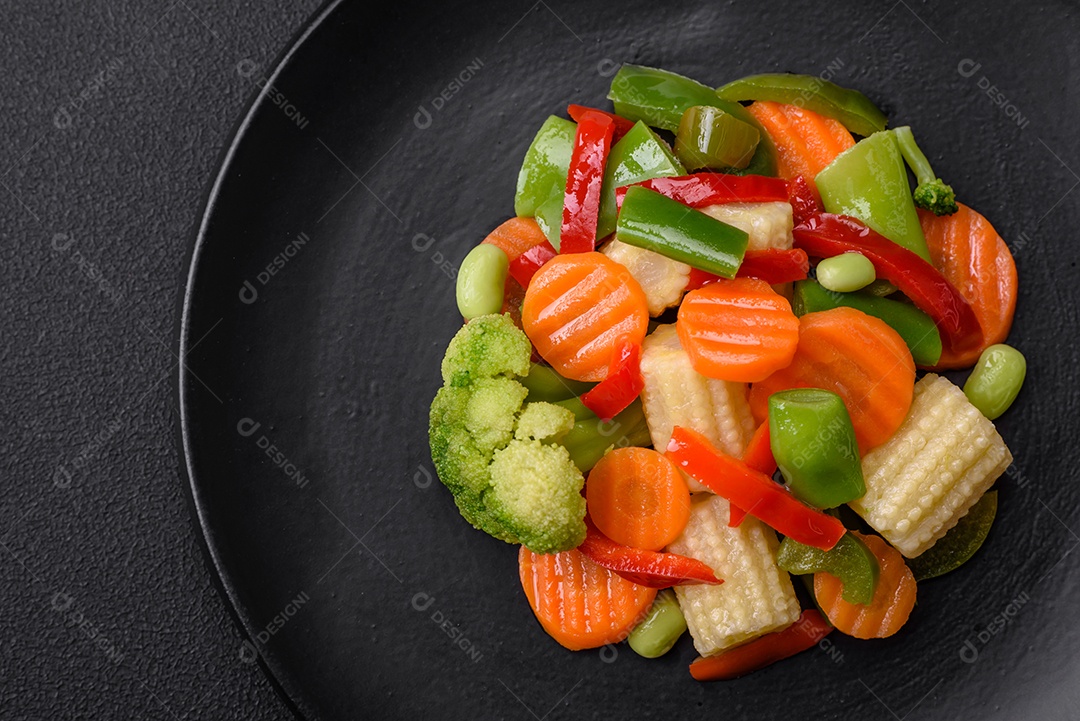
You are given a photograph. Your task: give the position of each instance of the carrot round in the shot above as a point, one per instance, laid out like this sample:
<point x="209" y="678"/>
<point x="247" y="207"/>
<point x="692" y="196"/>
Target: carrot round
<point x="967" y="250"/>
<point x="515" y="236"/>
<point x="858" y="357"/>
<point x="737" y="330"/>
<point x="577" y="307"/>
<point x="893" y="599"/>
<point x="805" y="141"/>
<point x="638" y="498"/>
<point x="580" y="604"/>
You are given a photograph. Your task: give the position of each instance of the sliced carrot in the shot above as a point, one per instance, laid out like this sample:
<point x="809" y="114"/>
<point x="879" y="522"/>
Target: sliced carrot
<point x="580" y="604"/>
<point x="737" y="330"/>
<point x="967" y="250"/>
<point x="858" y="357"/>
<point x="638" y="498"/>
<point x="576" y="309"/>
<point x="515" y="236"/>
<point x="893" y="599"/>
<point x="805" y="141"/>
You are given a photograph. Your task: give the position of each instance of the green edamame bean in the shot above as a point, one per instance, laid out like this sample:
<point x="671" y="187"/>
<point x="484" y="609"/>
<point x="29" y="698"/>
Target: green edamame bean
<point x="846" y="272"/>
<point x="481" y="281"/>
<point x="996" y="380"/>
<point x="661" y="628"/>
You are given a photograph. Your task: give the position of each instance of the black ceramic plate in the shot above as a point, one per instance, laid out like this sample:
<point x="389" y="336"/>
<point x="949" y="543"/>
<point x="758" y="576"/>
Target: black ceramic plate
<point x="320" y="298"/>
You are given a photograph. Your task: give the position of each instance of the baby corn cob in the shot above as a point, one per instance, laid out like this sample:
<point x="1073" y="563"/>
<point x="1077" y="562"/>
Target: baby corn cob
<point x="756" y="596"/>
<point x="937" y="465"/>
<point x="768" y="224"/>
<point x="662" y="278"/>
<point x="677" y="395"/>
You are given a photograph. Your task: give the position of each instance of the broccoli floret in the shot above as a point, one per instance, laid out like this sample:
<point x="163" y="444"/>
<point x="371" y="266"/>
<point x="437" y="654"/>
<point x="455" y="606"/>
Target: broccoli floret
<point x="931" y="193"/>
<point x="516" y="489"/>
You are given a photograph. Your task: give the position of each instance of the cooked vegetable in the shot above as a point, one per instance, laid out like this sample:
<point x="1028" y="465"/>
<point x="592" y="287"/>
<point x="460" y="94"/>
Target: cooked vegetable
<point x="869" y="182"/>
<point x="577" y="307"/>
<point x="915" y="327"/>
<point x="581" y="203"/>
<point x="490" y="454"/>
<point x="637" y="498"/>
<point x="805" y="141"/>
<point x="751" y="491"/>
<point x="622" y="385"/>
<point x="580" y="604"/>
<point x="859" y="358"/>
<point x="849" y="560"/>
<point x="931" y="193"/>
<point x="639" y="156"/>
<point x="713" y="325"/>
<point x="894" y="596"/>
<point x="591" y="438"/>
<point x="544" y="384"/>
<point x="767" y="225"/>
<point x="543" y="172"/>
<point x="651" y="221"/>
<point x="804" y="199"/>
<point x="712" y="138"/>
<point x="814" y="445"/>
<point x="758" y="456"/>
<point x="958" y="545"/>
<point x="676" y="394"/>
<point x="645" y="568"/>
<point x="481" y="281"/>
<point x="933" y="469"/>
<point x="804" y="634"/>
<point x="524" y="267"/>
<point x="975" y="260"/>
<point x="701" y="190"/>
<point x="850" y="107"/>
<point x="515" y="236"/>
<point x="756" y="597"/>
<point x="846" y="272"/>
<point x="994" y="384"/>
<point x="661" y="278"/>
<point x="622" y="125"/>
<point x="826" y="235"/>
<point x="662" y="627"/>
<point x="772" y="265"/>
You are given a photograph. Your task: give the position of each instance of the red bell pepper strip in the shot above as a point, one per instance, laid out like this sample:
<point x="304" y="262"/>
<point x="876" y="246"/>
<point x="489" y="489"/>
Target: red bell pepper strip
<point x="758" y="455"/>
<point x="826" y="235"/>
<point x="805" y="633"/>
<point x="804" y="199"/>
<point x="622" y="125"/>
<point x="751" y="490"/>
<point x="772" y="265"/>
<point x="581" y="204"/>
<point x="523" y="267"/>
<point x="622" y="385"/>
<point x="702" y="189"/>
<point x="645" y="568"/>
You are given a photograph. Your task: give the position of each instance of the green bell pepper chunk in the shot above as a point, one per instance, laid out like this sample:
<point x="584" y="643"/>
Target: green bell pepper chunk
<point x="814" y="445"/>
<point x="849" y="560"/>
<point x="652" y="221"/>
<point x="850" y="107"/>
<point x="659" y="98"/>
<point x="547" y="162"/>
<point x="960" y="543"/>
<point x="916" y="328"/>
<point x="591" y="438"/>
<point x="869" y="181"/>
<point x="549" y="217"/>
<point x="639" y="155"/>
<point x="545" y="384"/>
<point x="712" y="138"/>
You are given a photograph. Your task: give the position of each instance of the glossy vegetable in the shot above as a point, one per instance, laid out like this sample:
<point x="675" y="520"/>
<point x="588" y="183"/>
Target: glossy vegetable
<point x="543" y="172"/>
<point x="590" y="438"/>
<point x="622" y="125"/>
<point x="758" y="456"/>
<point x="701" y="190"/>
<point x="931" y="193"/>
<point x="581" y="202"/>
<point x="712" y="138"/>
<point x="996" y="380"/>
<point x="544" y="384"/>
<point x="846" y="272"/>
<point x="662" y="627"/>
<point x="804" y="634"/>
<point x="524" y="267"/>
<point x="804" y="199"/>
<point x="958" y="545"/>
<point x="772" y="265"/>
<point x="516" y="236"/>
<point x="639" y="156"/>
<point x="643" y="567"/>
<point x="481" y="281"/>
<point x="622" y="385"/>
<point x="849" y="560"/>
<point x="805" y="142"/>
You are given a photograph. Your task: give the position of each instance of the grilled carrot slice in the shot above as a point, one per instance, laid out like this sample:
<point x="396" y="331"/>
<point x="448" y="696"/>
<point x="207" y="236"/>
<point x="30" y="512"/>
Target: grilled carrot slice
<point x="737" y="330"/>
<point x="580" y="604"/>
<point x="967" y="250"/>
<point x="577" y="308"/>
<point x="805" y="141"/>
<point x="858" y="357"/>
<point x="893" y="599"/>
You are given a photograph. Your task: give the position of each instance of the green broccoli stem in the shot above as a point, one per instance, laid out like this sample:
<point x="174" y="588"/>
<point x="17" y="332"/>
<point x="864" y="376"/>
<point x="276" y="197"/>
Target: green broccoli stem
<point x="914" y="155"/>
<point x="591" y="438"/>
<point x="932" y="193"/>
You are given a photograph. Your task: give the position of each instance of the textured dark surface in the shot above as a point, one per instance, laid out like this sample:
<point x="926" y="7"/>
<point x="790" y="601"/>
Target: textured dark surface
<point x="336" y="358"/>
<point x="86" y="367"/>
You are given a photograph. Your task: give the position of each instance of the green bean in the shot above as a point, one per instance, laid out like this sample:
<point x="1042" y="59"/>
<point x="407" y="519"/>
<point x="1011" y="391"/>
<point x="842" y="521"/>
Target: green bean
<point x="661" y="628"/>
<point x="545" y="384"/>
<point x="846" y="272"/>
<point x="996" y="380"/>
<point x="481" y="281"/>
<point x="880" y="288"/>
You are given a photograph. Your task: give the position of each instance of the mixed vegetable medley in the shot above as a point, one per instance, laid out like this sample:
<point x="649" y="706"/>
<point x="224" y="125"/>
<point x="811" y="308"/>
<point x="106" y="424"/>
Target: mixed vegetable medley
<point x="701" y="359"/>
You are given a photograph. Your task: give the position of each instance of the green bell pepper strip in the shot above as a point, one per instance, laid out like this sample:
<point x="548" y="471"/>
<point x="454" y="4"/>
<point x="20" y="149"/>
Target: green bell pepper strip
<point x="849" y="560"/>
<point x="638" y="156"/>
<point x="549" y="217"/>
<point x="652" y="221"/>
<point x="545" y="384"/>
<point x="960" y="543"/>
<point x="869" y="181"/>
<point x="814" y="445"/>
<point x="915" y="327"/>
<point x="712" y="138"/>
<point x="543" y="172"/>
<point x="659" y="98"/>
<point x="591" y="438"/>
<point x="850" y="107"/>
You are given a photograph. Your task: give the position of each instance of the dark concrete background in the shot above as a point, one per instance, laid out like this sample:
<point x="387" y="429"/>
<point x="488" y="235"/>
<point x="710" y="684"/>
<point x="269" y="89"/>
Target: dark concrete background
<point x="113" y="117"/>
